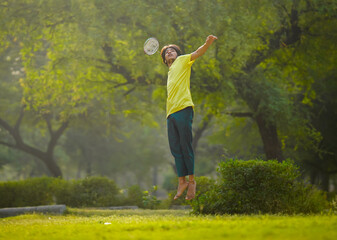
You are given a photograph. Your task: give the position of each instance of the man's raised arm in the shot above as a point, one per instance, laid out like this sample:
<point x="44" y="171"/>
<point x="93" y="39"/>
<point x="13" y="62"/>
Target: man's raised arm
<point x="202" y="49"/>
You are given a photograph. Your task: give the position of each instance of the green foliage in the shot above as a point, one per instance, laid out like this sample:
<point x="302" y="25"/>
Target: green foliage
<point x="150" y="200"/>
<point x="89" y="192"/>
<point x="204" y="185"/>
<point x="30" y="192"/>
<point x="83" y="60"/>
<point x="333" y="205"/>
<point x="255" y="186"/>
<point x="134" y="196"/>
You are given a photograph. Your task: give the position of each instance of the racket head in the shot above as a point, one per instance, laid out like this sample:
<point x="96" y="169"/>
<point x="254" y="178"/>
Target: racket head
<point x="151" y="46"/>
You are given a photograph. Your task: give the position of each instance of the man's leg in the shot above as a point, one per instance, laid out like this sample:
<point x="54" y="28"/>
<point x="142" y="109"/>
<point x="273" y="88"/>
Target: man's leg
<point x="184" y="120"/>
<point x="192" y="187"/>
<point x="174" y="142"/>
<point x="183" y="184"/>
<point x="184" y="123"/>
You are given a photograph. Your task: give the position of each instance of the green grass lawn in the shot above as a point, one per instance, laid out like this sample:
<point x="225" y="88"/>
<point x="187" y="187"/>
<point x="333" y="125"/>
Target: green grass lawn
<point x="165" y="224"/>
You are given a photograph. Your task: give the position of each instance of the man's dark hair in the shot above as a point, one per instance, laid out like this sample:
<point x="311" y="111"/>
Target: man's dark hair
<point x="163" y="51"/>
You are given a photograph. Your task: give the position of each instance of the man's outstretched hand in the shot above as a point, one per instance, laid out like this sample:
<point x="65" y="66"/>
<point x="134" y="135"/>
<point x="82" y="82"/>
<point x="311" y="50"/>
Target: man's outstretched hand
<point x="210" y="39"/>
<point x="201" y="50"/>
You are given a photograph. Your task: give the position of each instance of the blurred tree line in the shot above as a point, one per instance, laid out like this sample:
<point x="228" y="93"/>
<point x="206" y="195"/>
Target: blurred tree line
<point x="78" y="96"/>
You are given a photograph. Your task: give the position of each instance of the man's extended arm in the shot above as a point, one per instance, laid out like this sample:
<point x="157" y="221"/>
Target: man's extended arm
<point x="202" y="49"/>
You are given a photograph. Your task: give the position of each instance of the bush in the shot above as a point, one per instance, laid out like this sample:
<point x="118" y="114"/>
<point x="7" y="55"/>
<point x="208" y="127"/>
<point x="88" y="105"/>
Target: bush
<point x="143" y="199"/>
<point x="333" y="205"/>
<point x="173" y="191"/>
<point x="255" y="186"/>
<point x="30" y="192"/>
<point x="204" y="184"/>
<point x="150" y="201"/>
<point x="89" y="192"/>
<point x="134" y="196"/>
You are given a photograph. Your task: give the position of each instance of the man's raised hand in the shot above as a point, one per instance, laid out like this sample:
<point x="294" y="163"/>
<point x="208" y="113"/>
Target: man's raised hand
<point x="210" y="39"/>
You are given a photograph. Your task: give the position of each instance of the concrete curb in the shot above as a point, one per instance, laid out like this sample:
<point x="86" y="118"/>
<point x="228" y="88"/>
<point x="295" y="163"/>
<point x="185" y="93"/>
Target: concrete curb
<point x="9" y="212"/>
<point x="119" y="207"/>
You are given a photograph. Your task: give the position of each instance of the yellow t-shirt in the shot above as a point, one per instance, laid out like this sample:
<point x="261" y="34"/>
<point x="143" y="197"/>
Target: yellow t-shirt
<point x="178" y="85"/>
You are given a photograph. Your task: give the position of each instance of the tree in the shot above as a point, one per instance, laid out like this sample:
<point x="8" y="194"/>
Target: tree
<point x="247" y="58"/>
<point x="67" y="66"/>
<point x="83" y="59"/>
<point x="323" y="164"/>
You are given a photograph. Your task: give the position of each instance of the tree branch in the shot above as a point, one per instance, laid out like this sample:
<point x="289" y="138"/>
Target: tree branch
<point x="59" y="22"/>
<point x="6" y="126"/>
<point x="115" y="68"/>
<point x="122" y="84"/>
<point x="173" y="167"/>
<point x="18" y="122"/>
<point x="240" y="114"/>
<point x="55" y="136"/>
<point x="7" y="144"/>
<point x="292" y="35"/>
<point x="19" y="142"/>
<point x="129" y="91"/>
<point x="50" y="129"/>
<point x="201" y="128"/>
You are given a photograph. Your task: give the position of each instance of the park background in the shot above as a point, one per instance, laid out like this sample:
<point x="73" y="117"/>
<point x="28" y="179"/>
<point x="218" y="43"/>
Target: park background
<point x="79" y="98"/>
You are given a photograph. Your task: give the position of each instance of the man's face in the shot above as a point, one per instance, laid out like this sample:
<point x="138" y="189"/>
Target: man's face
<point x="170" y="54"/>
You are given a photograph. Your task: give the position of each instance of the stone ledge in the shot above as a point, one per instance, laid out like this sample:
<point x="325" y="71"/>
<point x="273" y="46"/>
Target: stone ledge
<point x="9" y="212"/>
<point x="119" y="207"/>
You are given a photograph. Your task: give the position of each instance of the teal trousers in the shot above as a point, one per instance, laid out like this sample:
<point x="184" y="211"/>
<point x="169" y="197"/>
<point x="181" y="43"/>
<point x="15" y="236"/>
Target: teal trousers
<point x="179" y="128"/>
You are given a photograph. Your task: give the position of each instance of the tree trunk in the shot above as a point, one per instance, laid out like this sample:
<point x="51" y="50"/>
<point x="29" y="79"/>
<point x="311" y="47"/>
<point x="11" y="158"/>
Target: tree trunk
<point x="271" y="143"/>
<point x="155" y="176"/>
<point x="87" y="155"/>
<point x="174" y="168"/>
<point x="200" y="130"/>
<point x="325" y="180"/>
<point x="155" y="179"/>
<point x="47" y="156"/>
<point x="52" y="166"/>
<point x="313" y="176"/>
<point x="288" y="34"/>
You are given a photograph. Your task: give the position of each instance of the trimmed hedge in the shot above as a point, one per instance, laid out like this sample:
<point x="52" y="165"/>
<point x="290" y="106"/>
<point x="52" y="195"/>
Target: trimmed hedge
<point x="30" y="192"/>
<point x="256" y="186"/>
<point x="89" y="192"/>
<point x="243" y="187"/>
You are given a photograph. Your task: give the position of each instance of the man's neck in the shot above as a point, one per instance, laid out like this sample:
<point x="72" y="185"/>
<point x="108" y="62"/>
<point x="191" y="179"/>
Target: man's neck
<point x="170" y="62"/>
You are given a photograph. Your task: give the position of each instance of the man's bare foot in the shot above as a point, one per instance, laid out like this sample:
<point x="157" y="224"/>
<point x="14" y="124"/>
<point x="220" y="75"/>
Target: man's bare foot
<point x="181" y="188"/>
<point x="192" y="187"/>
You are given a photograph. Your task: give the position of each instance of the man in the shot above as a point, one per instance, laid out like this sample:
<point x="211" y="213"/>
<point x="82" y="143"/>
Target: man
<point x="180" y="112"/>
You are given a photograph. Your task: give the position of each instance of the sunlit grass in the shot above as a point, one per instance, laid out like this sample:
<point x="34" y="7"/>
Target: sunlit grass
<point x="165" y="224"/>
